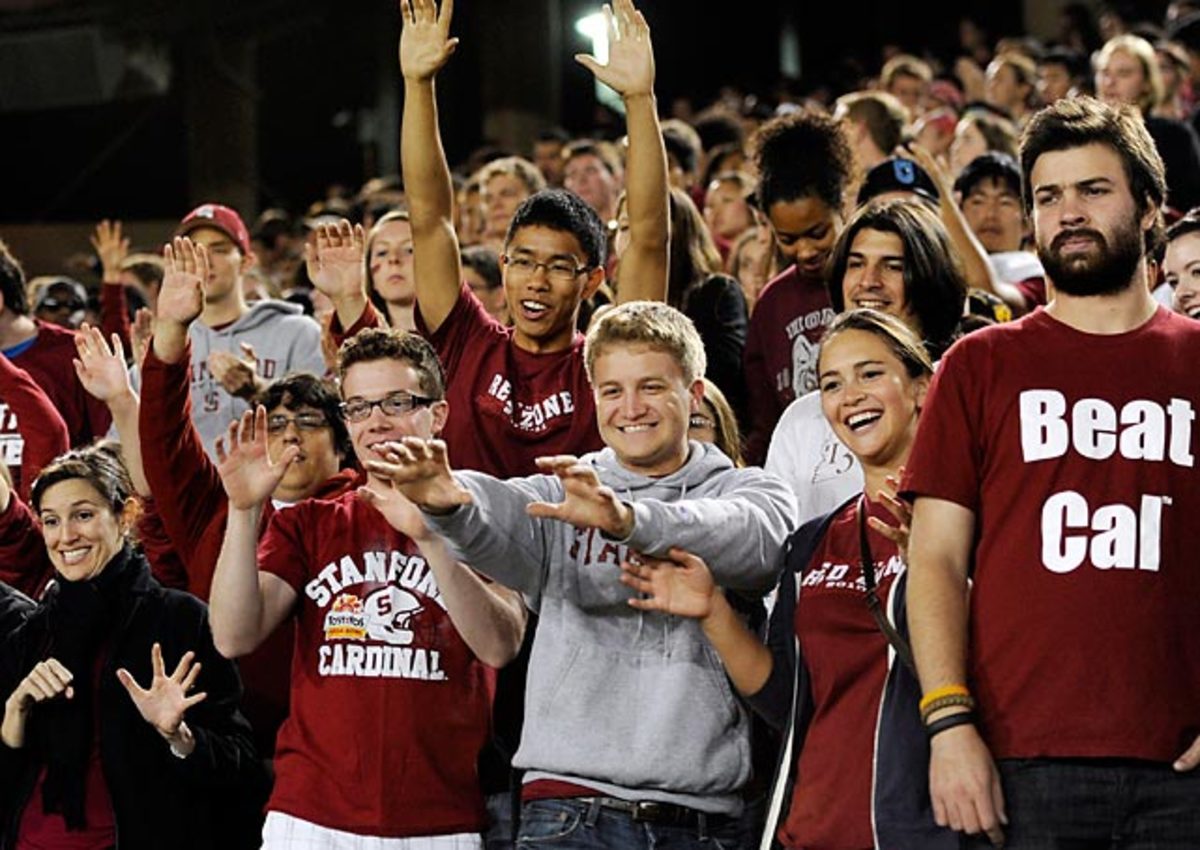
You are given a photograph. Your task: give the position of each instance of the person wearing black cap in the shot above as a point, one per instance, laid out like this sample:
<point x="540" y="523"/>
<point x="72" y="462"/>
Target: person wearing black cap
<point x="989" y="192"/>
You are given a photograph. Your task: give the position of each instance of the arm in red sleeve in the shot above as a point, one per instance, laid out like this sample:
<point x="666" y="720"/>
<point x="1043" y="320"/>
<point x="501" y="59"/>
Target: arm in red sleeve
<point x="762" y="401"/>
<point x="186" y="486"/>
<point x="369" y="319"/>
<point x="165" y="563"/>
<point x="24" y="563"/>
<point x="42" y="427"/>
<point x="114" y="313"/>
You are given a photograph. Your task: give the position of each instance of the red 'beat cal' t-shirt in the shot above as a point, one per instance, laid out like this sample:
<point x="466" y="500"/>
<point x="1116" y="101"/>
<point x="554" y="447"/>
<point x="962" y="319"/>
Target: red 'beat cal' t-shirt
<point x="509" y="406"/>
<point x="389" y="708"/>
<point x="846" y="657"/>
<point x="1076" y="453"/>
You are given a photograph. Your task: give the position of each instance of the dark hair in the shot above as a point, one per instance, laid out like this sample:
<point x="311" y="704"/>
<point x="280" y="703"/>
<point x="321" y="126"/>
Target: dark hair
<point x="561" y="210"/>
<point x="992" y="165"/>
<point x="590" y="147"/>
<point x="998" y="131"/>
<point x="1072" y="60"/>
<point x="99" y="464"/>
<point x="1189" y="223"/>
<point x="717" y="127"/>
<point x="394" y="344"/>
<point x="147" y="269"/>
<point x="304" y="389"/>
<point x="680" y="146"/>
<point x="484" y="262"/>
<point x="899" y="338"/>
<point x="802" y="154"/>
<point x="1078" y="121"/>
<point x="716" y="160"/>
<point x="553" y="134"/>
<point x="934" y="283"/>
<point x="12" y="282"/>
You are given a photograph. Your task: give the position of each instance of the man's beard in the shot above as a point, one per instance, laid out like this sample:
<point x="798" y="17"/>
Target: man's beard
<point x="1105" y="271"/>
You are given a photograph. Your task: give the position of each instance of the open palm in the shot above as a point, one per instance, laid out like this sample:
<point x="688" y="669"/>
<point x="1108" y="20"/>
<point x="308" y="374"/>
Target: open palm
<point x="682" y="586"/>
<point x="181" y="297"/>
<point x="335" y="259"/>
<point x="101" y="368"/>
<point x="244" y="462"/>
<point x="425" y="43"/>
<point x="630" y="67"/>
<point x="164" y="703"/>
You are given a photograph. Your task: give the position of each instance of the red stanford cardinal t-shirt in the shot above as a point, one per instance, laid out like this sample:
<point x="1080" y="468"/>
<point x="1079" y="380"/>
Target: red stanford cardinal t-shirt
<point x="846" y="657"/>
<point x="389" y="709"/>
<point x="1077" y="454"/>
<point x="509" y="406"/>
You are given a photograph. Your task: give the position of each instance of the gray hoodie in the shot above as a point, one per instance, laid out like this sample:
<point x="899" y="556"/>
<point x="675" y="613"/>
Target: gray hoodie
<point x="634" y="704"/>
<point x="284" y="340"/>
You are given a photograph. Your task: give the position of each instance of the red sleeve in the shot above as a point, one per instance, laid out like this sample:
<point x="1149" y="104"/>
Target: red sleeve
<point x="462" y="327"/>
<point x="281" y="549"/>
<point x="369" y="319"/>
<point x="42" y="427"/>
<point x="1033" y="290"/>
<point x="947" y="456"/>
<point x="184" y="481"/>
<point x="24" y="563"/>
<point x="762" y="401"/>
<point x="114" y="312"/>
<point x="165" y="563"/>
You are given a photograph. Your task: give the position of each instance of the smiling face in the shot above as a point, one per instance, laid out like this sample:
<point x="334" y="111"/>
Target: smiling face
<point x="542" y="305"/>
<point x="643" y="405"/>
<point x="805" y="230"/>
<point x="1181" y="269"/>
<point x="391" y="262"/>
<point x="318" y="459"/>
<point x="869" y="398"/>
<point x="374" y="380"/>
<point x="81" y="532"/>
<point x="874" y="276"/>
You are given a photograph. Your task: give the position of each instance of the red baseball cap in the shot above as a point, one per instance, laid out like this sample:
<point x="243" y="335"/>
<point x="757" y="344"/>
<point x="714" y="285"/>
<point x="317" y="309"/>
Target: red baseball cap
<point x="219" y="217"/>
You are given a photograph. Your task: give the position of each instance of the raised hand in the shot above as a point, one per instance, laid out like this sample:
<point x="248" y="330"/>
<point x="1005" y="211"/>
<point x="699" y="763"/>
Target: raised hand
<point x="630" y="67"/>
<point x="238" y="375"/>
<point x="164" y="703"/>
<point x="425" y="43"/>
<point x="335" y="260"/>
<point x="933" y="167"/>
<point x="111" y="247"/>
<point x="181" y="298"/>
<point x="244" y="463"/>
<point x="898" y="508"/>
<point x="420" y="470"/>
<point x="397" y="509"/>
<point x="101" y="368"/>
<point x="141" y="333"/>
<point x="682" y="586"/>
<point x="586" y="502"/>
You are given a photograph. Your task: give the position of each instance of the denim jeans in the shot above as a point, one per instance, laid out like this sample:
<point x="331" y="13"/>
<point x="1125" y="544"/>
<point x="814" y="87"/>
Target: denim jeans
<point x="568" y="824"/>
<point x="499" y="832"/>
<point x="1097" y="804"/>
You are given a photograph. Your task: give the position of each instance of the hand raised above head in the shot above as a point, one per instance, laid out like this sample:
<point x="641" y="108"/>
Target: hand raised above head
<point x="630" y="67"/>
<point x="181" y="297"/>
<point x="111" y="248"/>
<point x="335" y="259"/>
<point x="425" y="43"/>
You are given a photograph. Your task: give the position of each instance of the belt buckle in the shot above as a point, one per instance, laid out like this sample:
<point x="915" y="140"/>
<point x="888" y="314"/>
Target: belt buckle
<point x="647" y="811"/>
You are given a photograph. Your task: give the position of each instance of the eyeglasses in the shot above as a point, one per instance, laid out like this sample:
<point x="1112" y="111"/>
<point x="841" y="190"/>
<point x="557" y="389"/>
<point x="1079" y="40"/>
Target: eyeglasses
<point x="277" y="422"/>
<point x="396" y="404"/>
<point x="559" y="271"/>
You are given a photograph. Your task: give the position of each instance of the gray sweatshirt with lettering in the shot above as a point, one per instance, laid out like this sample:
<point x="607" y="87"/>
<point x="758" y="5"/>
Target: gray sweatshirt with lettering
<point x="633" y="704"/>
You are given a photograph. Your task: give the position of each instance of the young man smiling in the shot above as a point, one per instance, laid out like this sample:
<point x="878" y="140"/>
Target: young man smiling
<point x="1063" y="482"/>
<point x="631" y="731"/>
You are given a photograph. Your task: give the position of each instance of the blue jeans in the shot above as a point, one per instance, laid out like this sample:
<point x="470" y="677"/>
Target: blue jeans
<point x="499" y="832"/>
<point x="568" y="824"/>
<point x="1097" y="804"/>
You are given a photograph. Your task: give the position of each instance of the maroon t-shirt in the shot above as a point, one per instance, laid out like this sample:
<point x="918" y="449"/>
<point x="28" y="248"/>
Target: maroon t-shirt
<point x="49" y="362"/>
<point x="389" y="707"/>
<point x="846" y="657"/>
<point x="509" y="406"/>
<point x="1075" y="452"/>
<point x="781" y="351"/>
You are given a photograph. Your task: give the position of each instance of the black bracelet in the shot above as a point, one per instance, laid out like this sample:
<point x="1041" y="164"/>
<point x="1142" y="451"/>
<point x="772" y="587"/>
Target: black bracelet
<point x="961" y="718"/>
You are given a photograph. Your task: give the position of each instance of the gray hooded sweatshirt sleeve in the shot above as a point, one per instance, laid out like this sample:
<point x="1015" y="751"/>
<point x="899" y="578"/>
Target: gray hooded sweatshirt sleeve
<point x="632" y="704"/>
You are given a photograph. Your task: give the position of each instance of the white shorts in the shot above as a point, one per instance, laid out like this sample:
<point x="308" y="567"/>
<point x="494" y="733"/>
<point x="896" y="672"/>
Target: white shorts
<point x="284" y="832"/>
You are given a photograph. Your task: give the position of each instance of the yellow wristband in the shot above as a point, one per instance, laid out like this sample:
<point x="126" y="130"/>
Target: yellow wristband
<point x="938" y="693"/>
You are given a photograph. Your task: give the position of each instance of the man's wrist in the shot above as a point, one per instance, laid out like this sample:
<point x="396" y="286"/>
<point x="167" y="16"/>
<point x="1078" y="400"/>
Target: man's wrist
<point x="636" y="95"/>
<point x="625" y="522"/>
<point x="181" y="742"/>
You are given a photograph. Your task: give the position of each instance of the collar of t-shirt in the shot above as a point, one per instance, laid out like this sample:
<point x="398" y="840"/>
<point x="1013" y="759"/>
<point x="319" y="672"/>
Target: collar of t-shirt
<point x="20" y="347"/>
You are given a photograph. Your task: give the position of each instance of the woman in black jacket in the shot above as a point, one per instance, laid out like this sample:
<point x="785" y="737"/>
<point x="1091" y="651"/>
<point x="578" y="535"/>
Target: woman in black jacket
<point x="121" y="727"/>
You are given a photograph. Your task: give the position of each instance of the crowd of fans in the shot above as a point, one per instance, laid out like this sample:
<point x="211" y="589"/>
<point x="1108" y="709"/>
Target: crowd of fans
<point x="485" y="476"/>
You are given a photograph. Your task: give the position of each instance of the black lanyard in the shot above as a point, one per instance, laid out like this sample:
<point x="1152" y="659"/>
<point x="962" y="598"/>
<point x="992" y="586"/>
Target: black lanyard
<point x="903" y="651"/>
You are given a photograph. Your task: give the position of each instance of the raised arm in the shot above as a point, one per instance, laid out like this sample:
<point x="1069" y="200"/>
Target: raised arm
<point x="425" y="46"/>
<point x="105" y="375"/>
<point x="643" y="270"/>
<point x="246" y="605"/>
<point x="335" y="261"/>
<point x="181" y="298"/>
<point x="490" y="618"/>
<point x="963" y="782"/>
<point x="112" y="247"/>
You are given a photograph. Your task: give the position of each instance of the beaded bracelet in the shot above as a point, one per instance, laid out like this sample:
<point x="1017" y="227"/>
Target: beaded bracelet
<point x="967" y="701"/>
<point x="962" y="718"/>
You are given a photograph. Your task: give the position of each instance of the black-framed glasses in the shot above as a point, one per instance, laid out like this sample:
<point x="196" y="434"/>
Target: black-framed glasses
<point x="307" y="421"/>
<point x="560" y="271"/>
<point x="394" y="404"/>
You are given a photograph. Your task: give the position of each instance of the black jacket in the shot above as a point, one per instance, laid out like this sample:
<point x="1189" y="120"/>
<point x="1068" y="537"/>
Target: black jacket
<point x="211" y="799"/>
